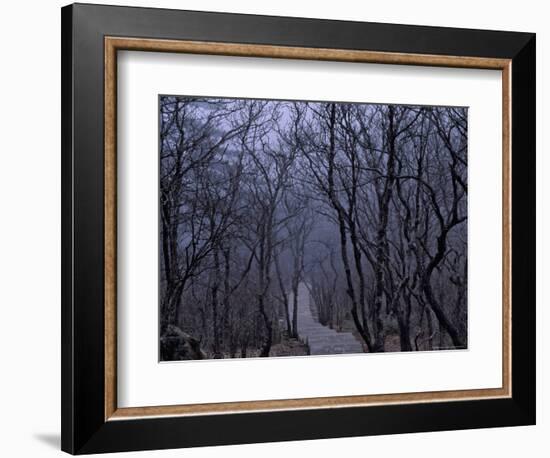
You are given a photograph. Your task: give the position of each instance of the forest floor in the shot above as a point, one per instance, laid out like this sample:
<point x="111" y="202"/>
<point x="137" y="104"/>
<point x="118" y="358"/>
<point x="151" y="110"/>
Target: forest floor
<point x="391" y="342"/>
<point x="286" y="347"/>
<point x="289" y="347"/>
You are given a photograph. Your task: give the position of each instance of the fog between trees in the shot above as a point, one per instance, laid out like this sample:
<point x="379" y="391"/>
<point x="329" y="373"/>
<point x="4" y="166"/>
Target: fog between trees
<point x="365" y="204"/>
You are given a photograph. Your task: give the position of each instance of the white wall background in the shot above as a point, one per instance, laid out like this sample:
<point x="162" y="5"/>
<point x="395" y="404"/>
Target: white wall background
<point x="30" y="226"/>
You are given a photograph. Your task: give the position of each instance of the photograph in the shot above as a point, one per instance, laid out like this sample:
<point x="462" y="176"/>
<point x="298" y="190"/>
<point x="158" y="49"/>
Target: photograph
<point x="273" y="226"/>
<point x="297" y="228"/>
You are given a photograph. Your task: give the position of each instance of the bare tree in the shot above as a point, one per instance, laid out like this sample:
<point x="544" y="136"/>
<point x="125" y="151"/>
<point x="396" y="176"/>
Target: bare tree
<point x="270" y="163"/>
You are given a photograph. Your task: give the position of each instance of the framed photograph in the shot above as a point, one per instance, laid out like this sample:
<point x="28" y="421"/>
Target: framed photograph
<point x="281" y="228"/>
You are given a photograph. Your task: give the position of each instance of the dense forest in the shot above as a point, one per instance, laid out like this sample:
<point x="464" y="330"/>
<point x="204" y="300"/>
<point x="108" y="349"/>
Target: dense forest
<point x="362" y="206"/>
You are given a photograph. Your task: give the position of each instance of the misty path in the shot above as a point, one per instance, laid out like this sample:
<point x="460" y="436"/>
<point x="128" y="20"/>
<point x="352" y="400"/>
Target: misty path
<point x="321" y="339"/>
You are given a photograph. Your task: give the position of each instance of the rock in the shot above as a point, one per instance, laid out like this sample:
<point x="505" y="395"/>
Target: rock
<point x="177" y="345"/>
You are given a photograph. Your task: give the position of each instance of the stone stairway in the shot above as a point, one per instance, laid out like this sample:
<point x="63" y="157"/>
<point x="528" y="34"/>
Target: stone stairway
<point x="321" y="339"/>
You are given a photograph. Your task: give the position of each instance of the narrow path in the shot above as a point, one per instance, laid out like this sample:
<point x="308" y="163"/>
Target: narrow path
<point x="321" y="339"/>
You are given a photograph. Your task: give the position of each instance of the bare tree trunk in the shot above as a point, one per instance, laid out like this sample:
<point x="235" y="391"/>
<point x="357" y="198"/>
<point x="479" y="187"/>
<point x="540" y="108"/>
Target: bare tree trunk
<point x="263" y="286"/>
<point x="215" y="305"/>
<point x="440" y="314"/>
<point x="284" y="294"/>
<point x="404" y="331"/>
<point x="360" y="325"/>
<point x="295" y="285"/>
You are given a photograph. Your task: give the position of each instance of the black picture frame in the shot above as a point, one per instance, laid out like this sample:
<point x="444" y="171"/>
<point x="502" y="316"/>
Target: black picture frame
<point x="84" y="428"/>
